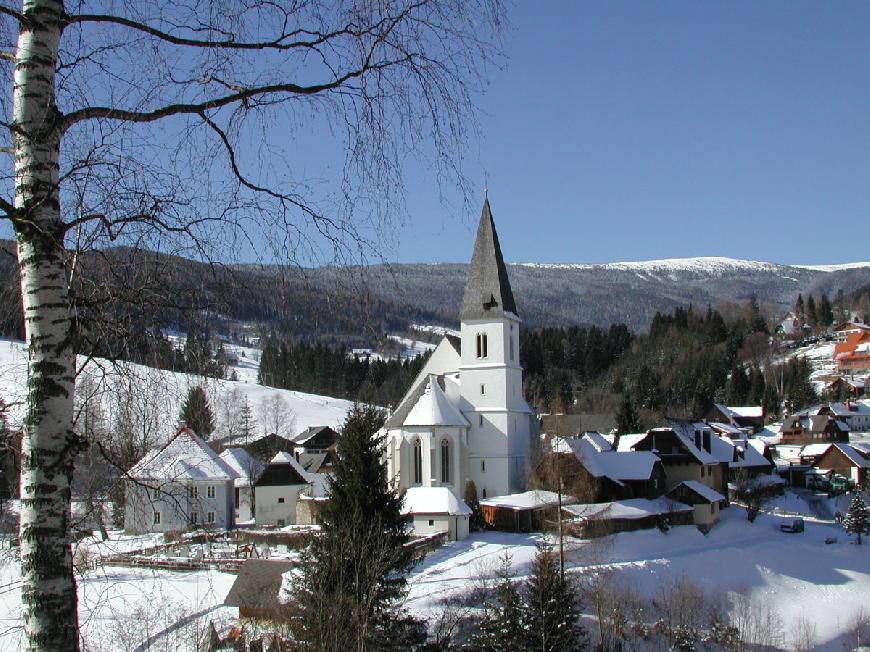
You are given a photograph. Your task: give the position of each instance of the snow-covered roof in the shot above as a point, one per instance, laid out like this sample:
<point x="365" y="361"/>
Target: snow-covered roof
<point x="745" y="411"/>
<point x="597" y="440"/>
<point x="726" y="428"/>
<point x="185" y="457"/>
<point x="855" y="409"/>
<point x="704" y="491"/>
<point x="535" y="499"/>
<point x="627" y="442"/>
<point x="434" y="409"/>
<point x="723" y="449"/>
<point x="246" y="468"/>
<point x="685" y="432"/>
<point x="287" y="458"/>
<point x="812" y="450"/>
<point x="615" y="465"/>
<point x="433" y="500"/>
<point x="630" y="509"/>
<point x="854" y="456"/>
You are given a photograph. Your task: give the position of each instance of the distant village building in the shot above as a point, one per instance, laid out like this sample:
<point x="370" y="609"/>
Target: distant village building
<point x="804" y="428"/>
<point x="852" y="355"/>
<point x="465" y="417"/>
<point x="850" y="461"/>
<point x="743" y="417"/>
<point x="277" y="490"/>
<point x="247" y="470"/>
<point x="180" y="486"/>
<point x="436" y="509"/>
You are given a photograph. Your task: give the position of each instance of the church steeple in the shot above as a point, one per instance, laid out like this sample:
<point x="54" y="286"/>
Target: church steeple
<point x="487" y="289"/>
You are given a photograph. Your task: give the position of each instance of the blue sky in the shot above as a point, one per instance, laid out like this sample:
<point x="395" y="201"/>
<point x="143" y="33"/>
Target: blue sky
<point x="640" y="130"/>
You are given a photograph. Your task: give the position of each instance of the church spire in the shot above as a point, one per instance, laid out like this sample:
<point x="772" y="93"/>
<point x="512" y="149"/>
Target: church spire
<point x="487" y="289"/>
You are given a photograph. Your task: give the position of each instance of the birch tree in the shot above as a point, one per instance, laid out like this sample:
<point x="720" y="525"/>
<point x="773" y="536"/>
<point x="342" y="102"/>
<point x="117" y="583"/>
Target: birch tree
<point x="166" y="126"/>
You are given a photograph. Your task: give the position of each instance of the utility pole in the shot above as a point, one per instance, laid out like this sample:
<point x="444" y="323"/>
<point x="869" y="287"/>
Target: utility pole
<point x="561" y="540"/>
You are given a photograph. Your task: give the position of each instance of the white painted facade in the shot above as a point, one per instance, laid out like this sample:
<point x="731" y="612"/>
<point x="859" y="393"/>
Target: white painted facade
<point x="276" y="505"/>
<point x="465" y="412"/>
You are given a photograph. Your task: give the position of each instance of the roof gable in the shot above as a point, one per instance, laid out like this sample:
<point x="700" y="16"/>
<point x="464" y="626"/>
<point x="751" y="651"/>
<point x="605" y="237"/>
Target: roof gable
<point x="433" y="408"/>
<point x="488" y="291"/>
<point x="185" y="457"/>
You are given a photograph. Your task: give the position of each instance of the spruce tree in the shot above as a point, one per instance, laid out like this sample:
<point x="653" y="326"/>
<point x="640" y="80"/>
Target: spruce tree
<point x="550" y="617"/>
<point x="858" y="519"/>
<point x="350" y="583"/>
<point x="501" y="627"/>
<point x="470" y="497"/>
<point x="197" y="414"/>
<point x="626" y="416"/>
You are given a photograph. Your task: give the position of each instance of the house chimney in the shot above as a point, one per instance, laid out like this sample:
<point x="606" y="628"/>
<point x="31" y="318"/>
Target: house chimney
<point x="698" y="439"/>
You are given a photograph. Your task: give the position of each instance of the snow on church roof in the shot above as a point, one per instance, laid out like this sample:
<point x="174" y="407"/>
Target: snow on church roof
<point x="433" y="500"/>
<point x="434" y="409"/>
<point x="185" y="457"/>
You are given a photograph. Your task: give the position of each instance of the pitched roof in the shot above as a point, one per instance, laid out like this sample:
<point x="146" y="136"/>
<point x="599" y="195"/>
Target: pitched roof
<point x="433" y="500"/>
<point x="534" y="499"/>
<point x="326" y="433"/>
<point x="184" y="457"/>
<point x="283" y="470"/>
<point x="685" y="432"/>
<point x="488" y="291"/>
<point x="629" y="509"/>
<point x="433" y="408"/>
<point x="702" y="490"/>
<point x="312" y="462"/>
<point x="854" y="456"/>
<point x="614" y="465"/>
<point x="245" y="467"/>
<point x="258" y="584"/>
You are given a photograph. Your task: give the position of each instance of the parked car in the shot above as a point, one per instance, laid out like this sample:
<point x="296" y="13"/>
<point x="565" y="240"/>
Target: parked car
<point x="793" y="527"/>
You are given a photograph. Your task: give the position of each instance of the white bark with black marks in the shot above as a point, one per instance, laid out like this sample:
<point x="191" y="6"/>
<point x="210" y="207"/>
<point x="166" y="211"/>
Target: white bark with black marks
<point x="49" y="444"/>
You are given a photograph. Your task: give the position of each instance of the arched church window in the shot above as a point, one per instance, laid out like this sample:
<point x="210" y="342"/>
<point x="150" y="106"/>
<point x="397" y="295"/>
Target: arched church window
<point x="445" y="461"/>
<point x="511" y="338"/>
<point x="418" y="462"/>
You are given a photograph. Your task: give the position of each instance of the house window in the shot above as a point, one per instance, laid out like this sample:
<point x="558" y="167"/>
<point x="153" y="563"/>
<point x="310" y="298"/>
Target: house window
<point x="280" y="500"/>
<point x="210" y="491"/>
<point x="431" y="522"/>
<point x="210" y="517"/>
<point x="193" y="491"/>
<point x="482" y="389"/>
<point x="194" y="518"/>
<point x="483" y="466"/>
<point x="155" y="493"/>
<point x="238" y="497"/>
<point x="156" y="518"/>
<point x="480" y="420"/>
<point x="418" y="462"/>
<point x="481" y="345"/>
<point x="445" y="461"/>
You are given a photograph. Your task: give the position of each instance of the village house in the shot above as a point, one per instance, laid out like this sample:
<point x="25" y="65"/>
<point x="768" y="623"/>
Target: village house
<point x="593" y="472"/>
<point x="180" y="486"/>
<point x="806" y="428"/>
<point x="853" y="354"/>
<point x="749" y="418"/>
<point x="247" y="471"/>
<point x="852" y="385"/>
<point x="685" y="451"/>
<point x="850" y="461"/>
<point x="705" y="501"/>
<point x="277" y="490"/>
<point x="854" y="414"/>
<point x="464" y="418"/>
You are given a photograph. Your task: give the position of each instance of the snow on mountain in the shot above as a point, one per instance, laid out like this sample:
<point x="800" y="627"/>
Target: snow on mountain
<point x="707" y="265"/>
<point x="154" y="397"/>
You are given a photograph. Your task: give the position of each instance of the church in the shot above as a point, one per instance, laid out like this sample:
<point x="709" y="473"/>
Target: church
<point x="464" y="417"/>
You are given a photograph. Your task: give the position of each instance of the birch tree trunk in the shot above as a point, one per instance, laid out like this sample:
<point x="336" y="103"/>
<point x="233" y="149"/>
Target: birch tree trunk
<point x="49" y="444"/>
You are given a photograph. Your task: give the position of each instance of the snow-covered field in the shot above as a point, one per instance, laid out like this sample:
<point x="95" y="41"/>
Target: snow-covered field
<point x="156" y="396"/>
<point x="798" y="575"/>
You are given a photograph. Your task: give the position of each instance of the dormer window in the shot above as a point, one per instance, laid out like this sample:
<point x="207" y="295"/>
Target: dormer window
<point x="482" y="345"/>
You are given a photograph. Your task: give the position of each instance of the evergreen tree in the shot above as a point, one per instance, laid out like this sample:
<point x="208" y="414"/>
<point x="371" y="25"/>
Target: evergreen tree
<point x="770" y="400"/>
<point x="350" y="584"/>
<point x="247" y="421"/>
<point x="551" y="611"/>
<point x="756" y="387"/>
<point x="812" y="317"/>
<point x="197" y="414"/>
<point x="737" y="388"/>
<point x="858" y="519"/>
<point x="470" y="497"/>
<point x="501" y="627"/>
<point x="626" y="416"/>
<point x="799" y="308"/>
<point x="825" y="311"/>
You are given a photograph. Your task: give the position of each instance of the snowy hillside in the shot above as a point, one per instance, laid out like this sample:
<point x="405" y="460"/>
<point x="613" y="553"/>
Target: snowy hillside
<point x="156" y="396"/>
